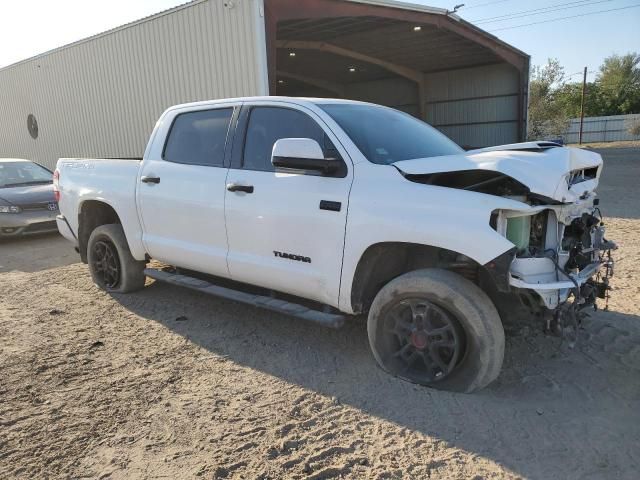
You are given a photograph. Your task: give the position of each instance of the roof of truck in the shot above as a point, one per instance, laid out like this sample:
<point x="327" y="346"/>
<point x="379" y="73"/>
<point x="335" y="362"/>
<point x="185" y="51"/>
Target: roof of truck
<point x="295" y="100"/>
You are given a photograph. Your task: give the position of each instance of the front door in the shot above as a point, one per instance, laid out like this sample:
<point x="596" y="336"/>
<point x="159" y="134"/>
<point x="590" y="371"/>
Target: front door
<point x="286" y="230"/>
<point x="181" y="192"/>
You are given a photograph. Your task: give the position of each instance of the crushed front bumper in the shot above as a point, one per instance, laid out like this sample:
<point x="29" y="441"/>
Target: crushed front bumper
<point x="552" y="286"/>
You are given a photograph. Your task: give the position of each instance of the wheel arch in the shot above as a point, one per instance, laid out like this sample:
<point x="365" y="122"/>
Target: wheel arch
<point x="92" y="214"/>
<point x="382" y="262"/>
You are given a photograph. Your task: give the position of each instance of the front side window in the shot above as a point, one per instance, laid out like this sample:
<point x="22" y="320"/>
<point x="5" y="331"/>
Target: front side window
<point x="268" y="125"/>
<point x="385" y="135"/>
<point x="15" y="174"/>
<point x="199" y="138"/>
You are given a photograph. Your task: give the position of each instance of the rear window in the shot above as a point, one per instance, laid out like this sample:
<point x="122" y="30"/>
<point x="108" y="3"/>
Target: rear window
<point x="199" y="138"/>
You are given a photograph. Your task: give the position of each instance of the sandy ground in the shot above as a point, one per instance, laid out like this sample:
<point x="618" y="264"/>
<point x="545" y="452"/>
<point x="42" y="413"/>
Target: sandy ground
<point x="35" y="253"/>
<point x="168" y="383"/>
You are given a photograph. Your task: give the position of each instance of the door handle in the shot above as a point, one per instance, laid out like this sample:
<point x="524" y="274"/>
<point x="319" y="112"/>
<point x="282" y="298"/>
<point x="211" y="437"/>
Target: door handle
<point x="146" y="179"/>
<point x="235" y="187"/>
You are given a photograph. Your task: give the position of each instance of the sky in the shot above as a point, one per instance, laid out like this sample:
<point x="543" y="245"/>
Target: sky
<point x="28" y="28"/>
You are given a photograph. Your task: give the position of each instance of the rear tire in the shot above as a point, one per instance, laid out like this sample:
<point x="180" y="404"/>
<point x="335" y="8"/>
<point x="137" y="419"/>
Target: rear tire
<point x="112" y="267"/>
<point x="436" y="328"/>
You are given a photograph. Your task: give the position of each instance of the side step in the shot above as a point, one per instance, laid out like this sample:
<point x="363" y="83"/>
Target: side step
<point x="331" y="320"/>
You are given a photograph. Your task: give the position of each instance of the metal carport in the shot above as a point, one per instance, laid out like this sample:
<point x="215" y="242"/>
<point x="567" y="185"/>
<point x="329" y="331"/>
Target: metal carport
<point x="423" y="60"/>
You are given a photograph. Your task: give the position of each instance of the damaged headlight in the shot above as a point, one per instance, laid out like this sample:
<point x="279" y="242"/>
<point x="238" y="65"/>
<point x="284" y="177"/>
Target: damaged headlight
<point x="527" y="232"/>
<point x="519" y="231"/>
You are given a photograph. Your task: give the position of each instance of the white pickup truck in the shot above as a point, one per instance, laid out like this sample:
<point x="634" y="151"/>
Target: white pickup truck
<point x="323" y="209"/>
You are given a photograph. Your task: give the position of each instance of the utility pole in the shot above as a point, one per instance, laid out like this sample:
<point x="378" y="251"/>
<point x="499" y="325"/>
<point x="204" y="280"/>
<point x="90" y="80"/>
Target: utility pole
<point x="584" y="88"/>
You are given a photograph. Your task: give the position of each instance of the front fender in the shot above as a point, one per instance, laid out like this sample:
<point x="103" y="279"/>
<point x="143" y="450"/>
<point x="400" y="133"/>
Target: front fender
<point x="385" y="207"/>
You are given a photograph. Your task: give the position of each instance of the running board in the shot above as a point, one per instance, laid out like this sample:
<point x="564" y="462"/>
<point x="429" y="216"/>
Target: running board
<point x="331" y="320"/>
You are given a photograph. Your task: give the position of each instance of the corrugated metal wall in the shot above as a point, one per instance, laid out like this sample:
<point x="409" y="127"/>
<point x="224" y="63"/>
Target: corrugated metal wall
<point x="396" y="92"/>
<point x="475" y="107"/>
<point x="612" y="128"/>
<point x="102" y="96"/>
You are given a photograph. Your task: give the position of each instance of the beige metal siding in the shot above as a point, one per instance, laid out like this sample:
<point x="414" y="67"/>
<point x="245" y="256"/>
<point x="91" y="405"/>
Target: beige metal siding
<point x="476" y="107"/>
<point x="100" y="97"/>
<point x="395" y="92"/>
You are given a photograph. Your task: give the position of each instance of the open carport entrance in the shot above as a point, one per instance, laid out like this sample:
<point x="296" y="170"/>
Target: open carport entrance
<point x="437" y="67"/>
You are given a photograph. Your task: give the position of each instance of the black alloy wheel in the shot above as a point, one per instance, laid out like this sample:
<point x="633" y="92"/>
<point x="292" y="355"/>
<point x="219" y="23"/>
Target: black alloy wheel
<point x="423" y="341"/>
<point x="106" y="264"/>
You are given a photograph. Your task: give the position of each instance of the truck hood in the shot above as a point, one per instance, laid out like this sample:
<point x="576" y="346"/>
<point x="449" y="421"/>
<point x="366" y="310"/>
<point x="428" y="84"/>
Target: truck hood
<point x="27" y="194"/>
<point x="562" y="174"/>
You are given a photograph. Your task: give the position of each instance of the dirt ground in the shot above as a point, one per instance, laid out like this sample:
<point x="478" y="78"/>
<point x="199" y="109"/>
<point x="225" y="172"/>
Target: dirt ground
<point x="168" y="383"/>
<point x="35" y="253"/>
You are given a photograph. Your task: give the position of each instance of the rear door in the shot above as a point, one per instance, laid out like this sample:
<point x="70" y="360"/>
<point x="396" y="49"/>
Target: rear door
<point x="286" y="230"/>
<point x="182" y="188"/>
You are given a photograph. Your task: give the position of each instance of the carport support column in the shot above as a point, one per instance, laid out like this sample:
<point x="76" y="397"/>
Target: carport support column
<point x="422" y="97"/>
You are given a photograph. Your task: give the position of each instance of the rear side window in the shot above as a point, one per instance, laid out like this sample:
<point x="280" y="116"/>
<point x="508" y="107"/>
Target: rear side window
<point x="199" y="138"/>
<point x="269" y="124"/>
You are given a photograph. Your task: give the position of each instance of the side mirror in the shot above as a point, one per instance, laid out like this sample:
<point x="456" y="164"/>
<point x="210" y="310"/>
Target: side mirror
<point x="302" y="154"/>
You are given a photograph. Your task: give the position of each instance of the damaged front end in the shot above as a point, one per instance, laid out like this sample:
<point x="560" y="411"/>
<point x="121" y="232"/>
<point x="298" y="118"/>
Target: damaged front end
<point x="561" y="262"/>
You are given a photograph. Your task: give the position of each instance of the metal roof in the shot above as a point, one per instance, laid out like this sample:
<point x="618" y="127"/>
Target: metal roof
<point x="437" y="11"/>
<point x="424" y="9"/>
<point x="431" y="49"/>
<point x="407" y="6"/>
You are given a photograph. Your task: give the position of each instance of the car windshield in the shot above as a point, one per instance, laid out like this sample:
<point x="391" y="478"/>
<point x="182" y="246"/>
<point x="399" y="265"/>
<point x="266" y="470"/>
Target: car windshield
<point x="385" y="135"/>
<point x="14" y="174"/>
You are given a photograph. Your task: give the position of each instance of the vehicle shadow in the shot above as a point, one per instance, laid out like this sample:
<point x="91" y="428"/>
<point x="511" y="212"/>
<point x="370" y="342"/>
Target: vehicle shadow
<point x="554" y="412"/>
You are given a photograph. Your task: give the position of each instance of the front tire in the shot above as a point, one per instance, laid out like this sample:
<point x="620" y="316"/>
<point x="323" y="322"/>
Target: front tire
<point x="436" y="328"/>
<point x="111" y="264"/>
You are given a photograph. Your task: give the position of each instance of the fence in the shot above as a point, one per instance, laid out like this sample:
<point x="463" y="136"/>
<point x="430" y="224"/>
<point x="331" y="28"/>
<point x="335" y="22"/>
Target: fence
<point x="613" y="128"/>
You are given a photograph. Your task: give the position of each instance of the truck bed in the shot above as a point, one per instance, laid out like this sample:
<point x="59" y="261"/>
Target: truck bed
<point x="112" y="181"/>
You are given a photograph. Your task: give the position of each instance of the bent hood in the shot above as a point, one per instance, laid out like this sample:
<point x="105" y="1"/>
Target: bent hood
<point x="560" y="173"/>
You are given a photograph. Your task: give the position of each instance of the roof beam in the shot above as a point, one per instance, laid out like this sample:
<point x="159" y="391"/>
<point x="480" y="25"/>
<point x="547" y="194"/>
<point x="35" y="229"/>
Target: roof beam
<point x="315" y="82"/>
<point x="401" y="70"/>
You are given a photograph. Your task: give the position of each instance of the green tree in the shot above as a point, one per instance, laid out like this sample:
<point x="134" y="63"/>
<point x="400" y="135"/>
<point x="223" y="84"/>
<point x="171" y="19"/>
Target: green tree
<point x="570" y="97"/>
<point x="619" y="84"/>
<point x="553" y="101"/>
<point x="547" y="115"/>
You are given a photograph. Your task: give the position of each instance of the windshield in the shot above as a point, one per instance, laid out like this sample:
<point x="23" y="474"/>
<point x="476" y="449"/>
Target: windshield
<point x="385" y="135"/>
<point x="14" y="174"/>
